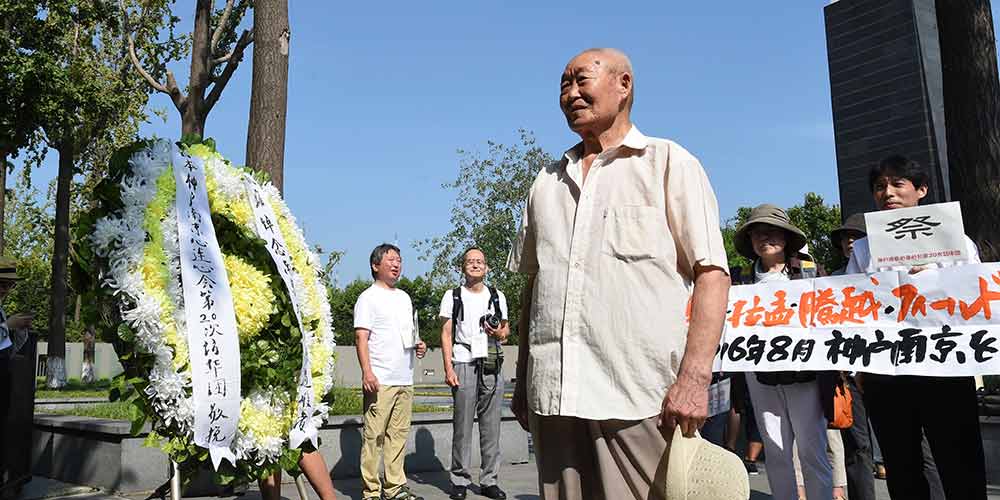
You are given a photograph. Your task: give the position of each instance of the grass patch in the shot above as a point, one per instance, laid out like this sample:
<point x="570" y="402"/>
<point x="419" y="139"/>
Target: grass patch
<point x="74" y="389"/>
<point x="59" y="394"/>
<point x="346" y="401"/>
<point x="74" y="384"/>
<point x="429" y="394"/>
<point x="114" y="411"/>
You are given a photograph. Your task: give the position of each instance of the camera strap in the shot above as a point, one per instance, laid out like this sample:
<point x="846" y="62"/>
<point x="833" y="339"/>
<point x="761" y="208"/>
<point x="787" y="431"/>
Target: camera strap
<point x="458" y="310"/>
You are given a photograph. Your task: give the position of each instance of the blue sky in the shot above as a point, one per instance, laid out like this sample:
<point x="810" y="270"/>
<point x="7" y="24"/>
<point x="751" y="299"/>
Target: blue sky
<point x="382" y="94"/>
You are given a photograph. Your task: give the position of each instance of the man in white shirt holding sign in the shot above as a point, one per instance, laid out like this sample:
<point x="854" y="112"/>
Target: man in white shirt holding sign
<point x="475" y="325"/>
<point x="386" y="344"/>
<point x="903" y="408"/>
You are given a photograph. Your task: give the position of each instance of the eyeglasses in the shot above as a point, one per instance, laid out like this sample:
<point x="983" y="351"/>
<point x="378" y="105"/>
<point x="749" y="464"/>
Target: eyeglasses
<point x="475" y="261"/>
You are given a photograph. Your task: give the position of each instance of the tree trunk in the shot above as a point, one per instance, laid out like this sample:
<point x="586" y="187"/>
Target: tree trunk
<point x="192" y="124"/>
<point x="56" y="363"/>
<point x="972" y="117"/>
<point x="194" y="114"/>
<point x="269" y="91"/>
<point x="3" y="199"/>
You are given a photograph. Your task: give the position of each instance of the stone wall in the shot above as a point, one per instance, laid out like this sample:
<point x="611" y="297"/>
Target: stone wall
<point x="102" y="453"/>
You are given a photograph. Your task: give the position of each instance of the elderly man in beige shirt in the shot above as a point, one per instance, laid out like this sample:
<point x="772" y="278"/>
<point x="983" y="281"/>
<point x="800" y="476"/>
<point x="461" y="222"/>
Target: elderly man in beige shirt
<point x="616" y="238"/>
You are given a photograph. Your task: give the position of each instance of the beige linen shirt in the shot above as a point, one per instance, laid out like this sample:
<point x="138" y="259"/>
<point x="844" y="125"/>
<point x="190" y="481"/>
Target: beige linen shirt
<point x="613" y="261"/>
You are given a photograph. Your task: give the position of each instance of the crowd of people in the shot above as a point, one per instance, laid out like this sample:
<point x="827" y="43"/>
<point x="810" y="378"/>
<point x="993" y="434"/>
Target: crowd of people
<point x="626" y="296"/>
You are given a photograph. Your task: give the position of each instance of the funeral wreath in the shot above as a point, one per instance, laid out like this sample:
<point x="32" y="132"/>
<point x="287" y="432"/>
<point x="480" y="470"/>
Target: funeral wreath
<point x="220" y="316"/>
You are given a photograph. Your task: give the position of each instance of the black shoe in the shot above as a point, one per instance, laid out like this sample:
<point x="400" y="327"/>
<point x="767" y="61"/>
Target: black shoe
<point x="751" y="468"/>
<point x="458" y="492"/>
<point x="493" y="492"/>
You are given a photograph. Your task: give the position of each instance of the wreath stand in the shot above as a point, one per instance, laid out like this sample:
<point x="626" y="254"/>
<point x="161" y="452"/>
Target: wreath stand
<point x="175" y="483"/>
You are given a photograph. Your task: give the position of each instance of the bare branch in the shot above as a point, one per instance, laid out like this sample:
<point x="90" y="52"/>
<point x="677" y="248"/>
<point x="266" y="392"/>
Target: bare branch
<point x="233" y="61"/>
<point x="171" y="88"/>
<point x="221" y="28"/>
<point x="138" y="66"/>
<point x="218" y="61"/>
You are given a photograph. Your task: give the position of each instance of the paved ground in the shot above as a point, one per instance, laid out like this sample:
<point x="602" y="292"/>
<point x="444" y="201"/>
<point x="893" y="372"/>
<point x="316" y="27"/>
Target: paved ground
<point x="518" y="480"/>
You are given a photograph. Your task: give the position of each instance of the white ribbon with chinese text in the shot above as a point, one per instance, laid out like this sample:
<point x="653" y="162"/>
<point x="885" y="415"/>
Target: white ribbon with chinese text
<point x="266" y="224"/>
<point x="213" y="341"/>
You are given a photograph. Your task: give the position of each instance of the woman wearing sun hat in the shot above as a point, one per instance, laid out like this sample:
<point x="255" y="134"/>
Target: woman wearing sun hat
<point x="788" y="404"/>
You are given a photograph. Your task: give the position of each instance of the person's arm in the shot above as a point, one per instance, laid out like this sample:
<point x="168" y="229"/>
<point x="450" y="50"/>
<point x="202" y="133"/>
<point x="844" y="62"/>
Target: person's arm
<point x="686" y="403"/>
<point x="447" y="349"/>
<point x="519" y="403"/>
<point x="368" y="379"/>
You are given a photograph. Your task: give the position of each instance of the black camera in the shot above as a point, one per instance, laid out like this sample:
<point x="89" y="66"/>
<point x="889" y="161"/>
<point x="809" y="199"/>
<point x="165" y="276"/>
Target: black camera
<point x="493" y="320"/>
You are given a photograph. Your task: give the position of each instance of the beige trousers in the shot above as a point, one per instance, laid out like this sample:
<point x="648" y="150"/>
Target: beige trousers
<point x="580" y="459"/>
<point x="834" y="450"/>
<point x="386" y="426"/>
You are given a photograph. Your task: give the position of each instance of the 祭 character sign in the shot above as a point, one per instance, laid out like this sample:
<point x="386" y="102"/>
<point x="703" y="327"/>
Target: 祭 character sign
<point x="222" y="303"/>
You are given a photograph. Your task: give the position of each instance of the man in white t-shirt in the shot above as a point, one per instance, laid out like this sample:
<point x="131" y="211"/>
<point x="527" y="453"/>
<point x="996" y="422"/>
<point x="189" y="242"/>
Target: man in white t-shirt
<point x="474" y="328"/>
<point x="386" y="344"/>
<point x="905" y="408"/>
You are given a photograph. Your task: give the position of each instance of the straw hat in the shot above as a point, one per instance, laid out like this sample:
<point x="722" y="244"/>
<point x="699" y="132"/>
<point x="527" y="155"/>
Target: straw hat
<point x="855" y="222"/>
<point x="8" y="269"/>
<point x="699" y="470"/>
<point x="772" y="216"/>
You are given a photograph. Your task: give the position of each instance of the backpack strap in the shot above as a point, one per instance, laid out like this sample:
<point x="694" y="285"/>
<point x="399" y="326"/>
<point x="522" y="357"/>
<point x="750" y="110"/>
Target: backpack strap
<point x="495" y="301"/>
<point x="457" y="313"/>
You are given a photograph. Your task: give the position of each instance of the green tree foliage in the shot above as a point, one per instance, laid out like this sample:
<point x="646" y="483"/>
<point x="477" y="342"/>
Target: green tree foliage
<point x="29" y="234"/>
<point x="736" y="261"/>
<point x="342" y="302"/>
<point x="426" y="300"/>
<point x="817" y="220"/>
<point x="92" y="103"/>
<point x="24" y="46"/>
<point x="491" y="191"/>
<point x="814" y="217"/>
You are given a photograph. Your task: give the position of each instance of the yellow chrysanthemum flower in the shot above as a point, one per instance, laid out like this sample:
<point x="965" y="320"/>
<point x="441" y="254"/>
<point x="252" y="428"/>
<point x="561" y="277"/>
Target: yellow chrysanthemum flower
<point x="263" y="423"/>
<point x="253" y="300"/>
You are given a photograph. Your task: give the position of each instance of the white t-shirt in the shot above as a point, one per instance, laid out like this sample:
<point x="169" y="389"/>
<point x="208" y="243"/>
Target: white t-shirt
<point x="468" y="331"/>
<point x="861" y="257"/>
<point x="388" y="315"/>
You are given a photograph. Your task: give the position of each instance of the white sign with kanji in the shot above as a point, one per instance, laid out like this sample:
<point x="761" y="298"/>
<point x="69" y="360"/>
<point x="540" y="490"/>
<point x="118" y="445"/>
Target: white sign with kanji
<point x="916" y="236"/>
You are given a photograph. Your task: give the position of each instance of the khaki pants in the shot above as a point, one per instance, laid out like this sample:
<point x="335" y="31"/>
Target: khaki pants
<point x="580" y="459"/>
<point x="386" y="427"/>
<point x="835" y="452"/>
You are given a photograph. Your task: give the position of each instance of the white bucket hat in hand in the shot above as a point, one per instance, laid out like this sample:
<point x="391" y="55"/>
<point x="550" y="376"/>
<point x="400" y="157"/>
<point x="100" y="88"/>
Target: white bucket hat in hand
<point x="699" y="470"/>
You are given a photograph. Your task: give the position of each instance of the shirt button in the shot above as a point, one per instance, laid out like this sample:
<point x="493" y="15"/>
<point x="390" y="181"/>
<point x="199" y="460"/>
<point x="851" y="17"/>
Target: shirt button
<point x="576" y="264"/>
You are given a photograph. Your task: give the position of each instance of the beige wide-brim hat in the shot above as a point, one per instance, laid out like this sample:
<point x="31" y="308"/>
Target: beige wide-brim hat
<point x="699" y="470"/>
<point x="772" y="216"/>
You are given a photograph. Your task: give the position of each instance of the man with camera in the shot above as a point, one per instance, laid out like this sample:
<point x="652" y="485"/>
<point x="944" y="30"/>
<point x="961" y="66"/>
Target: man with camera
<point x="475" y="326"/>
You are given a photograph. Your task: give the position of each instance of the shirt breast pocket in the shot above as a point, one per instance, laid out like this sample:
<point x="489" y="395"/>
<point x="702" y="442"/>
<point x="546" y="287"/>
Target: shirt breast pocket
<point x="633" y="233"/>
